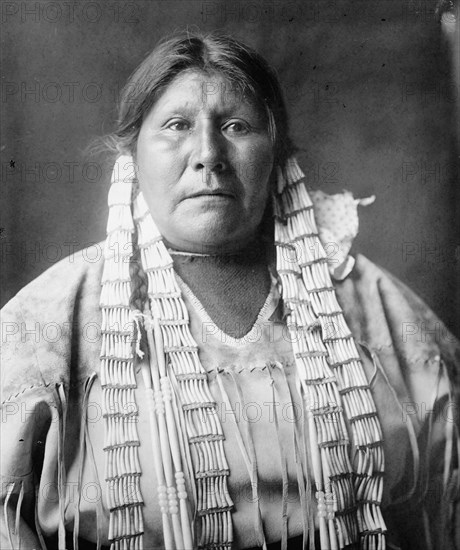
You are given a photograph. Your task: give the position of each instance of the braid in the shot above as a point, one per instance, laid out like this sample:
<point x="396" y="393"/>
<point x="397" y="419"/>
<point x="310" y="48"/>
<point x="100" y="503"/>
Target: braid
<point x="139" y="282"/>
<point x="138" y="296"/>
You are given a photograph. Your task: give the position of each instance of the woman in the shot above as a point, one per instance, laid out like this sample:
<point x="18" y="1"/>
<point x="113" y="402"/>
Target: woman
<point x="235" y="396"/>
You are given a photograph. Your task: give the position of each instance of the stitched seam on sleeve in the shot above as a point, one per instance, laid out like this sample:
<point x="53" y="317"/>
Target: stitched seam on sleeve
<point x="37" y="364"/>
<point x="14" y="395"/>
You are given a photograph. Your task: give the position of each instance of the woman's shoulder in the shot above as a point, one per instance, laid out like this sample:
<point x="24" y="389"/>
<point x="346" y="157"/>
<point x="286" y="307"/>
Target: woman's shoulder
<point x="386" y="317"/>
<point x="369" y="284"/>
<point x="57" y="289"/>
<point x="371" y="295"/>
<point x="51" y="321"/>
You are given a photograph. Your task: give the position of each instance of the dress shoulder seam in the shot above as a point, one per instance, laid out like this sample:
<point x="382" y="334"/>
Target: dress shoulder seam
<point x="17" y="394"/>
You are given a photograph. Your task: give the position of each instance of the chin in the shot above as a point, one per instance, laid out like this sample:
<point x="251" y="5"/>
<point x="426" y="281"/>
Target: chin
<point x="210" y="236"/>
<point x="214" y="225"/>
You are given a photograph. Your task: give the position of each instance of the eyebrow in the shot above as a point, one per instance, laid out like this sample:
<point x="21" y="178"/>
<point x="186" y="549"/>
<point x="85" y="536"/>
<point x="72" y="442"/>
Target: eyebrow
<point x="233" y="109"/>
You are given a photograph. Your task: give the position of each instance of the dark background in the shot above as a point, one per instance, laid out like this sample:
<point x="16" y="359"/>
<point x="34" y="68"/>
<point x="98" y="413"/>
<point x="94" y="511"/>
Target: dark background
<point x="370" y="86"/>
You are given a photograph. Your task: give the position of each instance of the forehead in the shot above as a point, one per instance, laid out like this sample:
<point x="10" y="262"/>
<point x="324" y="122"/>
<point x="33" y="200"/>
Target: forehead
<point x="205" y="91"/>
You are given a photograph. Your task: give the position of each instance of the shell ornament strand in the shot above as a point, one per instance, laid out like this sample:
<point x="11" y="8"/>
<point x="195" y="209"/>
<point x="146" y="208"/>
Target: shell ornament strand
<point x="189" y="461"/>
<point x="332" y="379"/>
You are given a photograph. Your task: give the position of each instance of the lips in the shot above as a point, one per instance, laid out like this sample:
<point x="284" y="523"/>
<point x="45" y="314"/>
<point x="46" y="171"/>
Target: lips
<point x="211" y="193"/>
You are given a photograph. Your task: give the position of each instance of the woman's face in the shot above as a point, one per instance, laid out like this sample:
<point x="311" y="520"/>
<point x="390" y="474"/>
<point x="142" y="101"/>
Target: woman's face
<point x="204" y="158"/>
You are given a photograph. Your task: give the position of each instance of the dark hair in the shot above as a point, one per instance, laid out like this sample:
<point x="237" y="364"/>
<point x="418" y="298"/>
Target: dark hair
<point x="241" y="65"/>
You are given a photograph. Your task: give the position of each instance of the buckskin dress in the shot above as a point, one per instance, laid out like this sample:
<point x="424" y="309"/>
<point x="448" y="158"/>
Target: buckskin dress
<point x="53" y="426"/>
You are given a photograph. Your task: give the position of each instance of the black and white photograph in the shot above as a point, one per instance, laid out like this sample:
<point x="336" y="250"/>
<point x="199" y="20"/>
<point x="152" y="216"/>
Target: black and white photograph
<point x="230" y="275"/>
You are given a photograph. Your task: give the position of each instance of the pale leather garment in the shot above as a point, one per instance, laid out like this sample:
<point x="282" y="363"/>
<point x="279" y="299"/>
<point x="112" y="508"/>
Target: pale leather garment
<point x="402" y="371"/>
<point x="248" y="360"/>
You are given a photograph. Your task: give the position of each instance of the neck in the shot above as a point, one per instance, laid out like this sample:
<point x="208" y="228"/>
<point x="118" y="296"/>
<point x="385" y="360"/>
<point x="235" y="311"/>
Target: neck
<point x="255" y="244"/>
<point x="232" y="288"/>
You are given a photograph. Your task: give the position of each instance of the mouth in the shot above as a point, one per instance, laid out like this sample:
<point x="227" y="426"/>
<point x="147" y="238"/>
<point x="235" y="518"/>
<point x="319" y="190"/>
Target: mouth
<point x="212" y="193"/>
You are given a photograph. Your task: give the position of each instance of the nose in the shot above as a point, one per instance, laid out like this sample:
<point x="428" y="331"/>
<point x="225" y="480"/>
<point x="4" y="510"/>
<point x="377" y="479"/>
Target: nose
<point x="208" y="152"/>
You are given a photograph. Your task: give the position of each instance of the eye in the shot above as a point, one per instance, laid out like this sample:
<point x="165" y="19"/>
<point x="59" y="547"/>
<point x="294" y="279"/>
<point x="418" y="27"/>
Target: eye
<point x="237" y="127"/>
<point x="178" y="125"/>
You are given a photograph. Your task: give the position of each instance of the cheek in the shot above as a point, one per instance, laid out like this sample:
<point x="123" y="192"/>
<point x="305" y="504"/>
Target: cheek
<point x="256" y="170"/>
<point x="159" y="169"/>
<point x="155" y="157"/>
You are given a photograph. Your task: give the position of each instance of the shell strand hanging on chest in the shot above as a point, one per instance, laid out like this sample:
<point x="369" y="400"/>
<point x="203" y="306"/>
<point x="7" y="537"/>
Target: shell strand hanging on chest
<point x="118" y="380"/>
<point x="349" y="492"/>
<point x="172" y="342"/>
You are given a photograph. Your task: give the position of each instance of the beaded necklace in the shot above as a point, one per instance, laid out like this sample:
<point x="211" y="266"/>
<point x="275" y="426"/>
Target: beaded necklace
<point x="186" y="435"/>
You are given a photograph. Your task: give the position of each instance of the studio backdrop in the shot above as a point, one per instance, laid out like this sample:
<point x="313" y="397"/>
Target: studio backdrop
<point x="371" y="89"/>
